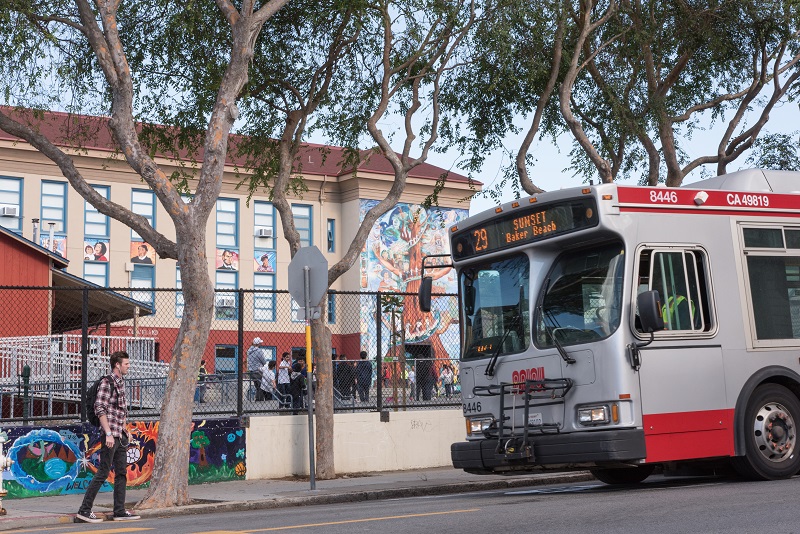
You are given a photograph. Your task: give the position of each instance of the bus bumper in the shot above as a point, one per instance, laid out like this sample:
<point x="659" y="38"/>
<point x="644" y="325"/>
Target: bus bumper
<point x="576" y="448"/>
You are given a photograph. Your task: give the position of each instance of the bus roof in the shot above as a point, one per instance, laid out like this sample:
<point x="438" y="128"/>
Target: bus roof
<point x="752" y="180"/>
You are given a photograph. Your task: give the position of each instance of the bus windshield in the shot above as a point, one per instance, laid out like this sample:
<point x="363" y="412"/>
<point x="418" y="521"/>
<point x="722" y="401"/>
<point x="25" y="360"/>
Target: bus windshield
<point x="495" y="305"/>
<point x="583" y="297"/>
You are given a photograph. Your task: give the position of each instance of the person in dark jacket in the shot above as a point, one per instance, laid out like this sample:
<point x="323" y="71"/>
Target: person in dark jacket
<point x="364" y="377"/>
<point x="297" y="385"/>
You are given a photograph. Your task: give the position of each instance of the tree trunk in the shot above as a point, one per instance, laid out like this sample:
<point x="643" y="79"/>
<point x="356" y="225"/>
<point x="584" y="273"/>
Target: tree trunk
<point x="321" y="342"/>
<point x="170" y="483"/>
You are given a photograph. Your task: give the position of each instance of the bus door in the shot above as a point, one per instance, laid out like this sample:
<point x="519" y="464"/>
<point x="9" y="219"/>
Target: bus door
<point x="682" y="375"/>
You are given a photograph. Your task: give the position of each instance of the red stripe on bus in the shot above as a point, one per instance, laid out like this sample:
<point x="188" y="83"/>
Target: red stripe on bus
<point x="699" y="211"/>
<point x="688" y="435"/>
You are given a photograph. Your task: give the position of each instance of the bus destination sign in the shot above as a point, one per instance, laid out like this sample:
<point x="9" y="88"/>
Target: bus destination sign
<point x="525" y="226"/>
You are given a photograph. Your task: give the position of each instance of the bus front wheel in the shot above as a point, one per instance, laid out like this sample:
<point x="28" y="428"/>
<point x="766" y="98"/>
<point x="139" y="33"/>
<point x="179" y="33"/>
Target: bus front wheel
<point x="622" y="475"/>
<point x="770" y="426"/>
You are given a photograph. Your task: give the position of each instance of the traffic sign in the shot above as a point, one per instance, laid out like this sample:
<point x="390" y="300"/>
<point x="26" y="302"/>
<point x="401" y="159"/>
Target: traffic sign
<point x="312" y="258"/>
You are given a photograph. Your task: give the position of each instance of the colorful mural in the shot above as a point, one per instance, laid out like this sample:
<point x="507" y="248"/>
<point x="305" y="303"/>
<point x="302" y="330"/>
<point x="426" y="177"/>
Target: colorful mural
<point x="392" y="261"/>
<point x="58" y="461"/>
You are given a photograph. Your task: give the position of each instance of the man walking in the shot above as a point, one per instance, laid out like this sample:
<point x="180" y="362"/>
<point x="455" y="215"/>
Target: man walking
<point x="256" y="360"/>
<point x="364" y="377"/>
<point x="111" y="408"/>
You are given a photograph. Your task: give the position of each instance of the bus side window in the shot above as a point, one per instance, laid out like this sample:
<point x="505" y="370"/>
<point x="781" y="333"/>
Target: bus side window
<point x="679" y="276"/>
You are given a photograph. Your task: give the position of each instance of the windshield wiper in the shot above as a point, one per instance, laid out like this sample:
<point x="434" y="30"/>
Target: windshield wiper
<point x="551" y="329"/>
<point x="493" y="361"/>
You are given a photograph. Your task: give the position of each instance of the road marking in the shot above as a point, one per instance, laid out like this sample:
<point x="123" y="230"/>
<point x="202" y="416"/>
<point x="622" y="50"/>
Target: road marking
<point x="548" y="491"/>
<point x="344" y="522"/>
<point x="110" y="530"/>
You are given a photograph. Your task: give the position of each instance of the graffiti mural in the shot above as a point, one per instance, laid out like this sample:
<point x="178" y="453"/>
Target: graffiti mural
<point x="392" y="262"/>
<point x="58" y="461"/>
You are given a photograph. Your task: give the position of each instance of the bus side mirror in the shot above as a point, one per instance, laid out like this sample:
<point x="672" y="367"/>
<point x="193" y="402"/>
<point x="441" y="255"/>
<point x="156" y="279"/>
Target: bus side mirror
<point x="425" y="289"/>
<point x="649" y="305"/>
<point x="469" y="300"/>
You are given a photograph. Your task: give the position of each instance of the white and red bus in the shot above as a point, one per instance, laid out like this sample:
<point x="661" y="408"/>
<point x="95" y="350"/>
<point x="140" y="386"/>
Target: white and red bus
<point x="620" y="328"/>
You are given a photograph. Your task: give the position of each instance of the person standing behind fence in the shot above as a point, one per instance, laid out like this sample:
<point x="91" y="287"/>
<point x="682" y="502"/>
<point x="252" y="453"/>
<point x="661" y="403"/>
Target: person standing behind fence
<point x="284" y="371"/>
<point x="446" y="376"/>
<point x="111" y="408"/>
<point x="297" y="385"/>
<point x="256" y="359"/>
<point x="364" y="377"/>
<point x="200" y="390"/>
<point x="268" y="384"/>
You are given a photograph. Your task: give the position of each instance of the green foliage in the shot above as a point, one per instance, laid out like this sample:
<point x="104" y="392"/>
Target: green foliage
<point x="776" y="151"/>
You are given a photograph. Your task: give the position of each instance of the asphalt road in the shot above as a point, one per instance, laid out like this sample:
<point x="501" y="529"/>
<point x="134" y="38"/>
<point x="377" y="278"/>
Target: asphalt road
<point x="689" y="505"/>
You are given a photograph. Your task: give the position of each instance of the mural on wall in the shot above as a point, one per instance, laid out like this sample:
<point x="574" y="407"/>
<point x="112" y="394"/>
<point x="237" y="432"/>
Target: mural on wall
<point x="264" y="262"/>
<point x="392" y="261"/>
<point x="95" y="250"/>
<point x="142" y="253"/>
<point x="58" y="461"/>
<point x="227" y="260"/>
<point x="59" y="245"/>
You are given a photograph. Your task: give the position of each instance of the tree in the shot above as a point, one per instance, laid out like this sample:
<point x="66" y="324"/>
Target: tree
<point x="87" y="42"/>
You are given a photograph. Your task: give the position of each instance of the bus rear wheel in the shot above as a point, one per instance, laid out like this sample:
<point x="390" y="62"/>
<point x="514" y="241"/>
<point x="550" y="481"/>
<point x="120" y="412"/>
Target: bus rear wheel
<point x="622" y="475"/>
<point x="770" y="426"/>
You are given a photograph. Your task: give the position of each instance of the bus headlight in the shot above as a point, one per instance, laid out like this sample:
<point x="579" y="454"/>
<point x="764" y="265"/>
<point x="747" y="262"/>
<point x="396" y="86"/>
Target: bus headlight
<point x="593" y="415"/>
<point x="476" y="425"/>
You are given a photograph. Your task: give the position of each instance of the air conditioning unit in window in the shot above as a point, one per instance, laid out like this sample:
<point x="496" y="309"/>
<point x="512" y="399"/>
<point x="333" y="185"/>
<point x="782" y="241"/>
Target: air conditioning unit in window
<point x="263" y="232"/>
<point x="8" y="211"/>
<point x="226" y="302"/>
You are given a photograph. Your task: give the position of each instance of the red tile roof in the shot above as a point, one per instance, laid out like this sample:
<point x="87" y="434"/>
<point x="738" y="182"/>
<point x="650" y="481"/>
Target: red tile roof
<point x="95" y="134"/>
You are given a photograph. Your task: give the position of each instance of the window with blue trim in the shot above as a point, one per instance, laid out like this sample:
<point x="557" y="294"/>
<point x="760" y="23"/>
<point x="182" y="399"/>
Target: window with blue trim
<point x="302" y="223"/>
<point x="11" y="203"/>
<point x="143" y="277"/>
<point x="95" y="224"/>
<point x="264" y="303"/>
<point x="96" y="273"/>
<point x="54" y="207"/>
<point x="264" y="222"/>
<point x="296" y="314"/>
<point x="227" y="223"/>
<point x="143" y="202"/>
<point x="179" y="302"/>
<point x="331" y="235"/>
<point x="225" y="302"/>
<point x="331" y="308"/>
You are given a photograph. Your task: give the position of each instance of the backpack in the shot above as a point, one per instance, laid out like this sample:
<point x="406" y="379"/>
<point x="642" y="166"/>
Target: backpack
<point x="91" y="397"/>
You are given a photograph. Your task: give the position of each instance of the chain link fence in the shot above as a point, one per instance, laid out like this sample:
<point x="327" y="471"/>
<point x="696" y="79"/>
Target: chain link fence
<point x="55" y="343"/>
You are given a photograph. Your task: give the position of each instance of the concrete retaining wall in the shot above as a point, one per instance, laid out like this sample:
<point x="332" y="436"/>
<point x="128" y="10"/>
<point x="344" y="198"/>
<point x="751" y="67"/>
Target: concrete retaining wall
<point x="277" y="446"/>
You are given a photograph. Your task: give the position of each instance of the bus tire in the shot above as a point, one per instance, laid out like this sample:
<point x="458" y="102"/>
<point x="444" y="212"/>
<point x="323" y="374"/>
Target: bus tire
<point x="770" y="435"/>
<point x="622" y="475"/>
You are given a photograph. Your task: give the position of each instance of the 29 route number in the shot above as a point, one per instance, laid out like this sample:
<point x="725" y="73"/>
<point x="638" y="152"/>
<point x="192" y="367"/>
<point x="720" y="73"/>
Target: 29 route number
<point x="471" y="407"/>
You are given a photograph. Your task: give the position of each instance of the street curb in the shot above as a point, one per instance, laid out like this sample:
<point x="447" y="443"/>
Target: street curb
<point x="332" y="497"/>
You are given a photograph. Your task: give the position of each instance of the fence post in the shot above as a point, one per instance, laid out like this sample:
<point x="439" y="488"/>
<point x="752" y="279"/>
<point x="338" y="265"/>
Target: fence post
<point x="378" y="356"/>
<point x="242" y="359"/>
<point x="84" y="351"/>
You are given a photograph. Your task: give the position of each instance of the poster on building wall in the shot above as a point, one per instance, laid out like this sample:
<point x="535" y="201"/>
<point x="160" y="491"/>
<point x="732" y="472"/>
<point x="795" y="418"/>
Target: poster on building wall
<point x="227" y="260"/>
<point x="96" y="250"/>
<point x="142" y="253"/>
<point x="59" y="245"/>
<point x="264" y="262"/>
<point x="391" y="261"/>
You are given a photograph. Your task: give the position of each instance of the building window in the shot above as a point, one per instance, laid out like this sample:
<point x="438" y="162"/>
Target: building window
<point x="11" y="203"/>
<point x="95" y="224"/>
<point x="227" y="223"/>
<point x="179" y="302"/>
<point x="225" y="302"/>
<point x="331" y="308"/>
<point x="143" y="202"/>
<point x="54" y="206"/>
<point x="297" y="315"/>
<point x="96" y="273"/>
<point x="143" y="277"/>
<point x="264" y="303"/>
<point x="302" y="223"/>
<point x="331" y="235"/>
<point x="264" y="225"/>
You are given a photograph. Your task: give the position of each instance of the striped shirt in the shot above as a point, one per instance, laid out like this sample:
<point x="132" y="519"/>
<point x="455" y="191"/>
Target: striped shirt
<point x="111" y="402"/>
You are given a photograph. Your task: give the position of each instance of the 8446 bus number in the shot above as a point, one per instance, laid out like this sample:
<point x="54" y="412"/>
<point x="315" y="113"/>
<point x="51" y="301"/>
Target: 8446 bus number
<point x="471" y="407"/>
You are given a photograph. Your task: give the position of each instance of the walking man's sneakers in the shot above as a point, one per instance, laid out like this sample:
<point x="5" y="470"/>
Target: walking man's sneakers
<point x="88" y="518"/>
<point x="127" y="516"/>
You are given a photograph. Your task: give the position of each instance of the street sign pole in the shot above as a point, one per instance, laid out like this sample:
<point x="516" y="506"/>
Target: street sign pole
<point x="309" y="375"/>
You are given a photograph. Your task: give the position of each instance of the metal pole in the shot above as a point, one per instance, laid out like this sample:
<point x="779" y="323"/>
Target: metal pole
<point x="378" y="353"/>
<point x="84" y="352"/>
<point x="242" y="366"/>
<point x="309" y="371"/>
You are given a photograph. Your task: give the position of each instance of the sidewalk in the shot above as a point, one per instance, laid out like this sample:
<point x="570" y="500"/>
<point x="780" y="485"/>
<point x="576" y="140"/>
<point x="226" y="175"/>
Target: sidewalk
<point x="264" y="494"/>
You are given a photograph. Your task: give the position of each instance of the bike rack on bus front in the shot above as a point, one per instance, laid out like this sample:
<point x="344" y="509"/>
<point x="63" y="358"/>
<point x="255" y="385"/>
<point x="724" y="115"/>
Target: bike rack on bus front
<point x="513" y="446"/>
